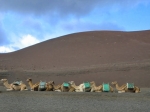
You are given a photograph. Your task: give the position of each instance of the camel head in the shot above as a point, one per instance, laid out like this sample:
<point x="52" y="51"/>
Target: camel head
<point x="29" y="80"/>
<point x="4" y="80"/>
<point x="92" y="82"/>
<point x="71" y="82"/>
<point x="51" y="83"/>
<point x="113" y="83"/>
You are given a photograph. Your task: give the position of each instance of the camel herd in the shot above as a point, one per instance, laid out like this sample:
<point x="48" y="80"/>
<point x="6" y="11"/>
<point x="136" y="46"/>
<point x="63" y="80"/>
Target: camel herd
<point x="70" y="86"/>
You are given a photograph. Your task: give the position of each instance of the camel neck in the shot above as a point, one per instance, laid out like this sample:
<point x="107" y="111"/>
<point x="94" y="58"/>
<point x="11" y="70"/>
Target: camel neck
<point x="6" y="84"/>
<point x="74" y="85"/>
<point x="30" y="83"/>
<point x="117" y="86"/>
<point x="53" y="86"/>
<point x="94" y="84"/>
<point x="56" y="87"/>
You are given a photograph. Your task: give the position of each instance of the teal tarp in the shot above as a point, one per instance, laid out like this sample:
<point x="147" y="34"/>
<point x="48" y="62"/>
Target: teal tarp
<point x="42" y="85"/>
<point x="130" y="85"/>
<point x="17" y="82"/>
<point x="106" y="87"/>
<point x="65" y="84"/>
<point x="87" y="84"/>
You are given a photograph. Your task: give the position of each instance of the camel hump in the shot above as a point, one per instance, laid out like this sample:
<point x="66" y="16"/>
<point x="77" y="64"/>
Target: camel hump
<point x="106" y="87"/>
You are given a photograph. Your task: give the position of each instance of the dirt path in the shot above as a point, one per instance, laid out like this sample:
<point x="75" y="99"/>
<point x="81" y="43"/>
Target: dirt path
<point x="16" y="101"/>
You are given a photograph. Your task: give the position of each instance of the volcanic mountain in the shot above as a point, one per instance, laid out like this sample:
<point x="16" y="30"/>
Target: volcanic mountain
<point x="102" y="56"/>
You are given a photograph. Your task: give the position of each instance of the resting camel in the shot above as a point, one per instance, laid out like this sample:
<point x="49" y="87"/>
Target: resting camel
<point x="124" y="88"/>
<point x="33" y="87"/>
<point x="52" y="87"/>
<point x="96" y="88"/>
<point x="81" y="87"/>
<point x="99" y="88"/>
<point x="49" y="86"/>
<point x="77" y="88"/>
<point x="14" y="86"/>
<point x="68" y="88"/>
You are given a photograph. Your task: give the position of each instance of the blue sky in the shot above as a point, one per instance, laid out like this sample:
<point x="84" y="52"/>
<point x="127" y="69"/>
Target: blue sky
<point x="27" y="22"/>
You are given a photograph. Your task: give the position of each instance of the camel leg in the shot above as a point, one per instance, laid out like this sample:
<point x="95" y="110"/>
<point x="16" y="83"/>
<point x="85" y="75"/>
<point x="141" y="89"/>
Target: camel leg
<point x="111" y="89"/>
<point x="121" y="91"/>
<point x="137" y="90"/>
<point x="77" y="90"/>
<point x="98" y="91"/>
<point x="9" y="89"/>
<point x="58" y="90"/>
<point x="57" y="87"/>
<point x="92" y="90"/>
<point x="70" y="91"/>
<point x="23" y="88"/>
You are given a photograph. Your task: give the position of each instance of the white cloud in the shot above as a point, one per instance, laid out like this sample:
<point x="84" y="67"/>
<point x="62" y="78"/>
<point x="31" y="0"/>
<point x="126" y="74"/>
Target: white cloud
<point x="27" y="40"/>
<point x="4" y="49"/>
<point x="24" y="41"/>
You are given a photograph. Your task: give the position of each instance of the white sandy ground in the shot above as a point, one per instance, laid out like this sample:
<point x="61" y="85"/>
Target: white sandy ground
<point x="27" y="101"/>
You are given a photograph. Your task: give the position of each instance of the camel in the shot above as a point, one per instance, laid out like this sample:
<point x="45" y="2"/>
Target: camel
<point x="14" y="86"/>
<point x="52" y="87"/>
<point x="82" y="87"/>
<point x="33" y="87"/>
<point x="100" y="88"/>
<point x="96" y="88"/>
<point x="49" y="86"/>
<point x="66" y="87"/>
<point x="124" y="88"/>
<point x="79" y="88"/>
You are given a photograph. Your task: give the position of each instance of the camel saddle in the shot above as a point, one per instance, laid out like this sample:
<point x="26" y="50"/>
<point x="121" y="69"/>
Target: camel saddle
<point x="130" y="85"/>
<point x="17" y="83"/>
<point x="87" y="85"/>
<point x="106" y="87"/>
<point x="42" y="85"/>
<point x="65" y="84"/>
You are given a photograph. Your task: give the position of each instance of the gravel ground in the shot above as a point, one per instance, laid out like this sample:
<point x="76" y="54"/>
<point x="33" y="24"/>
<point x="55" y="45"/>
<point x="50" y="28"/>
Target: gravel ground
<point x="17" y="101"/>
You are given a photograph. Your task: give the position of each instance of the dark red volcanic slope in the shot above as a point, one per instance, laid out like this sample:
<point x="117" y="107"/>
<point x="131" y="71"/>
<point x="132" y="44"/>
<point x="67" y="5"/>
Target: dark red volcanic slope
<point x="115" y="55"/>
